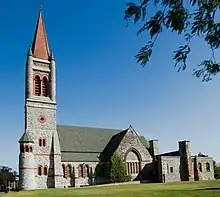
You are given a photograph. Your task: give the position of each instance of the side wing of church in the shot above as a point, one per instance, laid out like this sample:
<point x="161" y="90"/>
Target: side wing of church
<point x="57" y="156"/>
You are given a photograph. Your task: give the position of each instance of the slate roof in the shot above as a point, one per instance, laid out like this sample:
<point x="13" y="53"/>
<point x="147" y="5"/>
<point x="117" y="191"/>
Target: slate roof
<point x="84" y="139"/>
<point x="144" y="141"/>
<point x="26" y="138"/>
<point x="87" y="143"/>
<point x="173" y="153"/>
<point x="112" y="146"/>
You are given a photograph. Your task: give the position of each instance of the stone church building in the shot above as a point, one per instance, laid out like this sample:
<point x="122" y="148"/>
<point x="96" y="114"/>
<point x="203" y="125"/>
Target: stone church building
<point x="57" y="156"/>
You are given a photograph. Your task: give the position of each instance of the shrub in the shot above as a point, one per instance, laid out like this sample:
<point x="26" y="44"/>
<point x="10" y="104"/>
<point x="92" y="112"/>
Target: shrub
<point x="6" y="190"/>
<point x="17" y="189"/>
<point x="117" y="170"/>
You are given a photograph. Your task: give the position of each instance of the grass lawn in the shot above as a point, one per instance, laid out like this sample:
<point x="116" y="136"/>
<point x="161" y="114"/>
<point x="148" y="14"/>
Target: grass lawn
<point x="182" y="189"/>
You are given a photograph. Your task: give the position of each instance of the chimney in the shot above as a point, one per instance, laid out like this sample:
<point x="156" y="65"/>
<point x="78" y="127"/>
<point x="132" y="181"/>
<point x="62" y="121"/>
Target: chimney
<point x="185" y="160"/>
<point x="154" y="147"/>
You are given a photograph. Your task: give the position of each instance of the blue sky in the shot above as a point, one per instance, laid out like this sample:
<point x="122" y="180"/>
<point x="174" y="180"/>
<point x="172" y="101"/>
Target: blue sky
<point x="99" y="82"/>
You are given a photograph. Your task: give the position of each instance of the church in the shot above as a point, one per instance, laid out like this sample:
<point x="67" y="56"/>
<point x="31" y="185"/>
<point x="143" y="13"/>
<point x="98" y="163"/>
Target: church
<point x="58" y="156"/>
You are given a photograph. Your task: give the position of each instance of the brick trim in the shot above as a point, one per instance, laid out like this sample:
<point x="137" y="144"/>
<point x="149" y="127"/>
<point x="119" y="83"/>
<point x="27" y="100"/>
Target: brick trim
<point x="37" y="74"/>
<point x="36" y="82"/>
<point x="44" y="75"/>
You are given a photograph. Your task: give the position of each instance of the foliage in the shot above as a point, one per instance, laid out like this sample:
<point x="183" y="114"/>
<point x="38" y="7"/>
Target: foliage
<point x="216" y="170"/>
<point x="6" y="176"/>
<point x="117" y="170"/>
<point x="193" y="18"/>
<point x="178" y="189"/>
<point x="202" y="155"/>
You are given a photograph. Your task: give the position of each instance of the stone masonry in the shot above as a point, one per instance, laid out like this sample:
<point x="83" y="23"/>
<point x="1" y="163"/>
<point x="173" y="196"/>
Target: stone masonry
<point x="57" y="156"/>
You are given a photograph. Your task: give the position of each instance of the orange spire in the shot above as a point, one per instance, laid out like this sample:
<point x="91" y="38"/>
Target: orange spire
<point x="40" y="48"/>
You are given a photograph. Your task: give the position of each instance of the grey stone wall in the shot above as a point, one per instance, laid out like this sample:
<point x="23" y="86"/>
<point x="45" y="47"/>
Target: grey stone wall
<point x="132" y="141"/>
<point x="45" y="130"/>
<point x="58" y="171"/>
<point x="205" y="174"/>
<point x="27" y="171"/>
<point x="185" y="161"/>
<point x="170" y="168"/>
<point x="77" y="181"/>
<point x="36" y="106"/>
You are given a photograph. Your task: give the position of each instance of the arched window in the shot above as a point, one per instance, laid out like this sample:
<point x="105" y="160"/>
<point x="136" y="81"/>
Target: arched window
<point x="22" y="148"/>
<point x="64" y="171"/>
<point x="45" y="170"/>
<point x="40" y="142"/>
<point x="37" y="85"/>
<point x="31" y="149"/>
<point x="81" y="169"/>
<point x="136" y="167"/>
<point x="207" y="167"/>
<point x="98" y="170"/>
<point x="133" y="161"/>
<point x="39" y="169"/>
<point x="45" y="86"/>
<point x="128" y="169"/>
<point x="130" y="164"/>
<point x="26" y="148"/>
<point x="73" y="172"/>
<point x="44" y="142"/>
<point x="69" y="170"/>
<point x="200" y="167"/>
<point x="87" y="172"/>
<point x="90" y="172"/>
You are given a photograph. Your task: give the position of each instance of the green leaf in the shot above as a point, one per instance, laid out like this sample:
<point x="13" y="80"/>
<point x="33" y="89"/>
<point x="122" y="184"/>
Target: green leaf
<point x="144" y="54"/>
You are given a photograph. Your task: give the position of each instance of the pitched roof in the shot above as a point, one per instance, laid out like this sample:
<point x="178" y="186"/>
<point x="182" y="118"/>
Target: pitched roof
<point x="112" y="145"/>
<point x="26" y="138"/>
<point x="87" y="143"/>
<point x="84" y="139"/>
<point x="173" y="153"/>
<point x="145" y="142"/>
<point x="40" y="48"/>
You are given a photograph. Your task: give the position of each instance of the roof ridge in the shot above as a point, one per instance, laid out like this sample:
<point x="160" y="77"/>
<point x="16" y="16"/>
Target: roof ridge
<point x="91" y="127"/>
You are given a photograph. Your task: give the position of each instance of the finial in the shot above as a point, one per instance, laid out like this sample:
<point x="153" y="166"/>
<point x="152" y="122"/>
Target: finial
<point x="40" y="1"/>
<point x="30" y="51"/>
<point x="51" y="55"/>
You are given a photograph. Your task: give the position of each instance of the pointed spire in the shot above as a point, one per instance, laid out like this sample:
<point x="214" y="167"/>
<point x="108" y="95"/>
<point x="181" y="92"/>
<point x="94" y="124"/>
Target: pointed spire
<point x="40" y="48"/>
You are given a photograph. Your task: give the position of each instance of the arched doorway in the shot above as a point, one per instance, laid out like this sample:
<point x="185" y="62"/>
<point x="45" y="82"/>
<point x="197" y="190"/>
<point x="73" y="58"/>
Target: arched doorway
<point x="133" y="162"/>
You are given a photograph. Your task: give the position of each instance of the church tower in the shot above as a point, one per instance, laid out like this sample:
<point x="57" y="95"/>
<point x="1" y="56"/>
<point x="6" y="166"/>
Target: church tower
<point x="40" y="115"/>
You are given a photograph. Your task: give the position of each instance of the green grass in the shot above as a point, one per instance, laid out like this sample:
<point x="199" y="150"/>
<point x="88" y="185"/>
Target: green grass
<point x="180" y="189"/>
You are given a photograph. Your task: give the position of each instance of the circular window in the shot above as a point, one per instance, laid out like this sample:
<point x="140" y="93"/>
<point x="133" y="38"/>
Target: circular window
<point x="42" y="119"/>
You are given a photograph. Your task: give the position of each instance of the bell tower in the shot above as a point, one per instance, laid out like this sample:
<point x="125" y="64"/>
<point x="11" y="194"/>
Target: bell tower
<point x="40" y="110"/>
<point x="40" y="69"/>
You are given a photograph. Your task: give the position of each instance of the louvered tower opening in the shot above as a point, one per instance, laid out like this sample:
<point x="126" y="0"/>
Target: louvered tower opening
<point x="37" y="86"/>
<point x="45" y="87"/>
